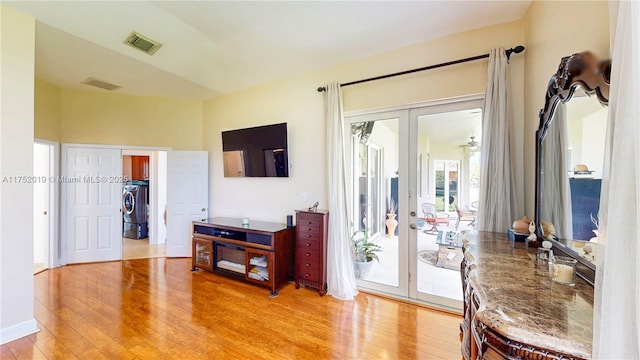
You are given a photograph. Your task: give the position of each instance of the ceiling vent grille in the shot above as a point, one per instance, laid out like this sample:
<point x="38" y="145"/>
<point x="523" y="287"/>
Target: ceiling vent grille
<point x="142" y="43"/>
<point x="101" y="84"/>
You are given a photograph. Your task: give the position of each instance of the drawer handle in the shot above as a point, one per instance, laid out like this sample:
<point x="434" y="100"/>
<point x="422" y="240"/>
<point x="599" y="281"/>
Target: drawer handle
<point x="308" y="244"/>
<point x="309" y="222"/>
<point x="308" y="236"/>
<point x="307" y="275"/>
<point x="308" y="254"/>
<point x="307" y="264"/>
<point x="309" y="229"/>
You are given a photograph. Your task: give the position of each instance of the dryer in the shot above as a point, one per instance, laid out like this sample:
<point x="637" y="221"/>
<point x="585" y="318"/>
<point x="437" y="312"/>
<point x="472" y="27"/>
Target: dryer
<point x="134" y="210"/>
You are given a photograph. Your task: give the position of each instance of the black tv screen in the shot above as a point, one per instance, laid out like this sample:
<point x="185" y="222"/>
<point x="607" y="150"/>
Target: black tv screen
<point x="256" y="152"/>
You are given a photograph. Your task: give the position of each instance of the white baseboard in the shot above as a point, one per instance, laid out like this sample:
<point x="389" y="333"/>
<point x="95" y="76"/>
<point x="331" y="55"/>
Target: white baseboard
<point x="19" y="330"/>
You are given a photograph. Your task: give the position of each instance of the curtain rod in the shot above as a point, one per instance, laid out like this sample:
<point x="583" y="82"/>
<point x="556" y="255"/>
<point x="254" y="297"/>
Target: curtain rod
<point x="518" y="49"/>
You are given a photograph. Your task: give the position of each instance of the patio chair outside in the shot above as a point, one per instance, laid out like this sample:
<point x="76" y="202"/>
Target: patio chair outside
<point x="433" y="218"/>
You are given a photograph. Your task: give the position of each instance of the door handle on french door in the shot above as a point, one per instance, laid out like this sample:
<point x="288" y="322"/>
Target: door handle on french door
<point x="413" y="226"/>
<point x="413" y="213"/>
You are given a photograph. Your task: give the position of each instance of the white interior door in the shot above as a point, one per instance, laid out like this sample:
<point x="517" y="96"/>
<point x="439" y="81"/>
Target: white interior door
<point x="93" y="197"/>
<point x="187" y="197"/>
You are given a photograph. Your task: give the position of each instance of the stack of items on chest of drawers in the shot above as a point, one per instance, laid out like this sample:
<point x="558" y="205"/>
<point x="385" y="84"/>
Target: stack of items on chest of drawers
<point x="311" y="249"/>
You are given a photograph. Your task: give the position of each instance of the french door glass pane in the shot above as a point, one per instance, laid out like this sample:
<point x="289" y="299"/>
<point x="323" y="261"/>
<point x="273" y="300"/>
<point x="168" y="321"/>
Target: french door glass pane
<point x="375" y="161"/>
<point x="450" y="175"/>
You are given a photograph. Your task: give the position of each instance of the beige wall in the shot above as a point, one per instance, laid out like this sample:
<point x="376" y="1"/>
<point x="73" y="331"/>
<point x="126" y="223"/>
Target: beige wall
<point x="109" y="118"/>
<point x="47" y="111"/>
<point x="296" y="102"/>
<point x="555" y="29"/>
<point x="546" y="31"/>
<point x="17" y="40"/>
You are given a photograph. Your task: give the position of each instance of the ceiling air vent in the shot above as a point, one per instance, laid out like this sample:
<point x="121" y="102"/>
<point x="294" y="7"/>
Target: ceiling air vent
<point x="101" y="84"/>
<point x="143" y="43"/>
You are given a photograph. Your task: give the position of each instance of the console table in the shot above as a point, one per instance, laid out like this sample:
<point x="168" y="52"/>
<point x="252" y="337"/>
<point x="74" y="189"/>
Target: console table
<point x="513" y="310"/>
<point x="261" y="253"/>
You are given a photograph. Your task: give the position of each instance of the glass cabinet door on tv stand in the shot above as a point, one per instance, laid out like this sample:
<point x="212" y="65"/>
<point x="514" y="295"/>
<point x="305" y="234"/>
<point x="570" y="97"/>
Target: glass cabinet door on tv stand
<point x="203" y="254"/>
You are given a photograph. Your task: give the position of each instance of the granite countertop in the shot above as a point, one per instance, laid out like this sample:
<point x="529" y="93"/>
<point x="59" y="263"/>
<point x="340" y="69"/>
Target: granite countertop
<point x="519" y="301"/>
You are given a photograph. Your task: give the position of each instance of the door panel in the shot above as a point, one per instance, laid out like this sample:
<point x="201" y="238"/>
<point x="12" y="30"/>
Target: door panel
<point x="439" y="134"/>
<point x="187" y="198"/>
<point x="93" y="204"/>
<point x="376" y="161"/>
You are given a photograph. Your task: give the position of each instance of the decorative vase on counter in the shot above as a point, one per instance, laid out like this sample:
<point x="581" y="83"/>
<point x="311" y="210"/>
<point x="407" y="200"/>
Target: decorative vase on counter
<point x="391" y="224"/>
<point x="521" y="226"/>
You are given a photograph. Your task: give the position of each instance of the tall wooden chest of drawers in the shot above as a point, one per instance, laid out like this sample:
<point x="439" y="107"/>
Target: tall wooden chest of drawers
<point x="311" y="249"/>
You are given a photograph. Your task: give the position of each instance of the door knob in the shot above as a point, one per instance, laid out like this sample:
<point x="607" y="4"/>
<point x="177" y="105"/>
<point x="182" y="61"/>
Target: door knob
<point x="412" y="226"/>
<point x="413" y="213"/>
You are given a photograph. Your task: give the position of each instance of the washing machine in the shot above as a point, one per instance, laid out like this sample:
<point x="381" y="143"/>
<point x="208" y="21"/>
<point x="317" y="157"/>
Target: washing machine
<point x="134" y="210"/>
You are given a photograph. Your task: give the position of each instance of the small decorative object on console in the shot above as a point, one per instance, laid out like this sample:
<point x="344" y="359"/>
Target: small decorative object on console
<point x="548" y="230"/>
<point x="545" y="253"/>
<point x="519" y="230"/>
<point x="564" y="270"/>
<point x="314" y="207"/>
<point x="532" y="238"/>
<point x="521" y="226"/>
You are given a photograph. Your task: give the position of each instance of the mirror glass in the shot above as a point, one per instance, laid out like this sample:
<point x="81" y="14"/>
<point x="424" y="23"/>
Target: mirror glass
<point x="571" y="171"/>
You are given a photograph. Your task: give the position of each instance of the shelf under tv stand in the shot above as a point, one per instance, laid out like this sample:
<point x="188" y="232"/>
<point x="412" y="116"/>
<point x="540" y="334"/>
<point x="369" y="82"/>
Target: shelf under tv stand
<point x="260" y="253"/>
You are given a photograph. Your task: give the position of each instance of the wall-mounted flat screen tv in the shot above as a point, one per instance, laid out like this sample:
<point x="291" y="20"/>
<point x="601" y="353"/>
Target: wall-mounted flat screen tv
<point x="256" y="152"/>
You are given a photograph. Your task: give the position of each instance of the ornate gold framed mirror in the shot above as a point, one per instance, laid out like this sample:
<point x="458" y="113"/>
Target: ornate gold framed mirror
<point x="569" y="158"/>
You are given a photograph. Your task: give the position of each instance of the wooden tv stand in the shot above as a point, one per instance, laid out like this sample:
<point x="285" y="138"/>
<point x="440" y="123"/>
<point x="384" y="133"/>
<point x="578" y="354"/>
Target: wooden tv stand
<point x="261" y="253"/>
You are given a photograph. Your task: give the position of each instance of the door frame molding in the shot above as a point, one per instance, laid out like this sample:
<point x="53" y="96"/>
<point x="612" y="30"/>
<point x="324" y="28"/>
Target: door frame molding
<point x="64" y="147"/>
<point x="428" y="103"/>
<point x="53" y="248"/>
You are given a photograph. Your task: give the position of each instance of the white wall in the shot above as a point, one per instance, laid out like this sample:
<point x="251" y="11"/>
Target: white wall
<point x="16" y="159"/>
<point x="594" y="128"/>
<point x="385" y="135"/>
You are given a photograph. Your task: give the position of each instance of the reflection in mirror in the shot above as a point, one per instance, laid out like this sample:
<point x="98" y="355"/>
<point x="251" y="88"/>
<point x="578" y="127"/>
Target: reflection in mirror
<point x="573" y="161"/>
<point x="569" y="158"/>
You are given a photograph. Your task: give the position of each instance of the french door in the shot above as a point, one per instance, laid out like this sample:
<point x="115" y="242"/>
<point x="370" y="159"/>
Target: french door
<point x="391" y="175"/>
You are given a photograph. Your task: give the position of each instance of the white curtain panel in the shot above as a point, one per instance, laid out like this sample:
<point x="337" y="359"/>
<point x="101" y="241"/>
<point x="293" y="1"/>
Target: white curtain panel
<point x="617" y="291"/>
<point x="556" y="190"/>
<point x="496" y="210"/>
<point x="341" y="280"/>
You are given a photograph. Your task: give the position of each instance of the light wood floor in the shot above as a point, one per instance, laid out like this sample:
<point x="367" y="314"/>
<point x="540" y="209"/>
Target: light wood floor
<point x="140" y="249"/>
<point x="158" y="309"/>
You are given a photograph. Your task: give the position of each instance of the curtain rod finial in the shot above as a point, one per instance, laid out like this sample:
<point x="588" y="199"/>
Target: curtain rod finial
<point x="514" y="50"/>
<point x="321" y="89"/>
<point x="518" y="49"/>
